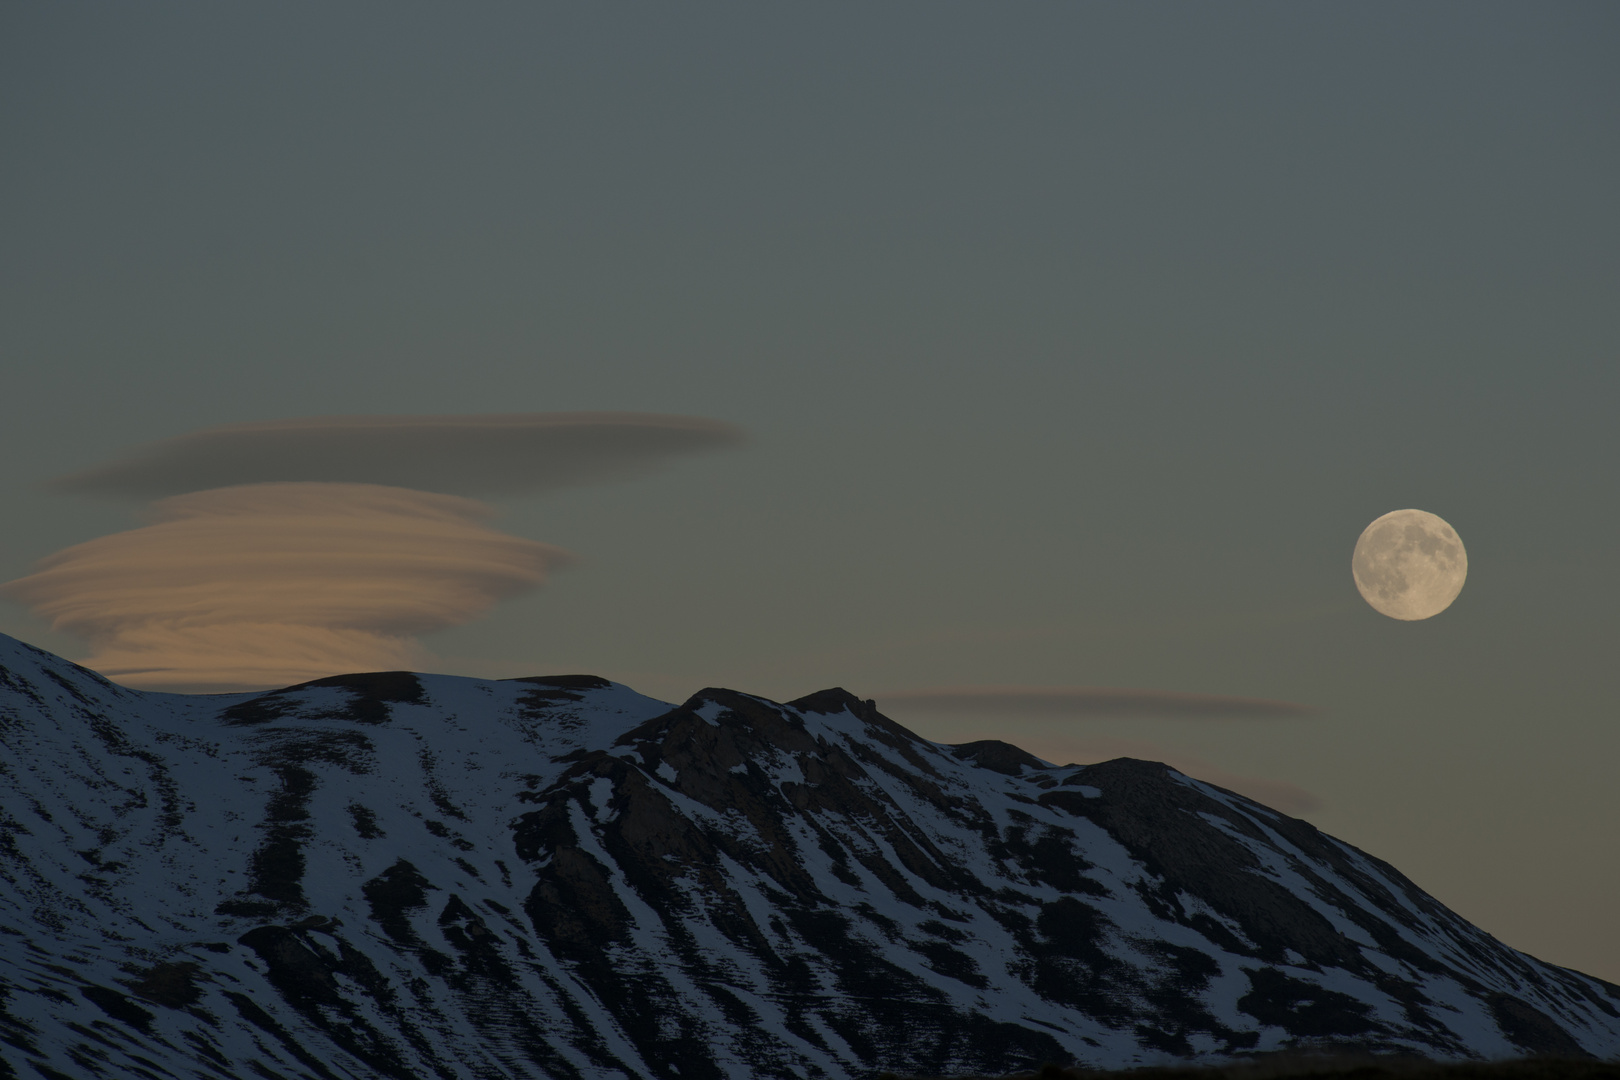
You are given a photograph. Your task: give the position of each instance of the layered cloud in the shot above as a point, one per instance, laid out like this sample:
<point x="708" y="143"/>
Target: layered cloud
<point x="1080" y="701"/>
<point x="268" y="584"/>
<point x="464" y="455"/>
<point x="286" y="550"/>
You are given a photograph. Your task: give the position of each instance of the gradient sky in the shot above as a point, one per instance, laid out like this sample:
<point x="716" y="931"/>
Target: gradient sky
<point x="1075" y="345"/>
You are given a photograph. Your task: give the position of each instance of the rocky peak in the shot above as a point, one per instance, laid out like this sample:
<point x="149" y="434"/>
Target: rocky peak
<point x="402" y="875"/>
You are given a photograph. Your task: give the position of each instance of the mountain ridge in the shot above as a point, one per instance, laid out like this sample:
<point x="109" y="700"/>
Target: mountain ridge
<point x="391" y="874"/>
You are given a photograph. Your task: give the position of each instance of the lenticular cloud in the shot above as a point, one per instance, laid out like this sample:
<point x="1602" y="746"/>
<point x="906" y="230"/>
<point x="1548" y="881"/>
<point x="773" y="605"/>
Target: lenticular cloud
<point x="263" y="585"/>
<point x="287" y="550"/>
<point x="491" y="454"/>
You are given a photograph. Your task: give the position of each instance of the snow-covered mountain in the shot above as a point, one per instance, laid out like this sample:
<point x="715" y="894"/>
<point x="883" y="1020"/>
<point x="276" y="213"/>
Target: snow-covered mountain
<point x="398" y="875"/>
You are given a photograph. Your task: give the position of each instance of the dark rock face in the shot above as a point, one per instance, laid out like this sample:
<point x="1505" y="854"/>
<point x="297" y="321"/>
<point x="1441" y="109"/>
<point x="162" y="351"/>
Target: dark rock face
<point x="404" y="876"/>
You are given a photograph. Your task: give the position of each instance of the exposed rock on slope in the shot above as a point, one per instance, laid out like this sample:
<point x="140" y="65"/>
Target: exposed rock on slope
<point x="393" y="875"/>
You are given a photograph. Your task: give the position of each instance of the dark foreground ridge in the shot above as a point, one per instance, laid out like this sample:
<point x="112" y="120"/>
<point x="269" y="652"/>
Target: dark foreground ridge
<point x="403" y="876"/>
<point x="1317" y="1067"/>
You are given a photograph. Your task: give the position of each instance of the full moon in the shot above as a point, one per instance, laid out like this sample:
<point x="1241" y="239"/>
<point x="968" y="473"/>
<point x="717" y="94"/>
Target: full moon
<point x="1409" y="564"/>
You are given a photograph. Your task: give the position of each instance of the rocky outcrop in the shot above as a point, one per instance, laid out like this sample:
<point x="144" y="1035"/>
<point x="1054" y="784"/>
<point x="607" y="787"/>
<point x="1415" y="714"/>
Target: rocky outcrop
<point x="413" y="876"/>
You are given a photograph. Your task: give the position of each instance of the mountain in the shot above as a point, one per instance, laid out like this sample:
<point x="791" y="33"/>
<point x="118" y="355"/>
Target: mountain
<point x="399" y="875"/>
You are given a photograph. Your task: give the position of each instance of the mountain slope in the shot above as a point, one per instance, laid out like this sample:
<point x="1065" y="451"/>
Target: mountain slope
<point x="394" y="875"/>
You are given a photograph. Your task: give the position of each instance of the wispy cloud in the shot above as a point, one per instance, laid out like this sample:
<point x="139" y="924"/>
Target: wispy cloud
<point x="1029" y="717"/>
<point x="466" y="455"/>
<point x="269" y="584"/>
<point x="1078" y="701"/>
<point x="1085" y="750"/>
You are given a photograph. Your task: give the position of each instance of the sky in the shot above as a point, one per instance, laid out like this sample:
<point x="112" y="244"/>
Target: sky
<point x="1031" y="349"/>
